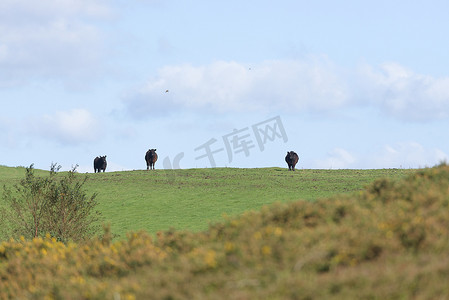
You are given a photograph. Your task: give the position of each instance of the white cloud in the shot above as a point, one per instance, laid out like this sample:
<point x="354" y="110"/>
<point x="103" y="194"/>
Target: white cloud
<point x="337" y="158"/>
<point x="408" y="155"/>
<point x="49" y="38"/>
<point x="67" y="127"/>
<point x="399" y="155"/>
<point x="10" y="9"/>
<point x="400" y="92"/>
<point x="314" y="84"/>
<point x="230" y="86"/>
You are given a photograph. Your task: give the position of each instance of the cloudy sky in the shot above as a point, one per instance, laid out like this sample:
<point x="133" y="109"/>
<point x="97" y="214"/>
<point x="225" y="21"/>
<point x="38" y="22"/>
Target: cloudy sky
<point x="345" y="84"/>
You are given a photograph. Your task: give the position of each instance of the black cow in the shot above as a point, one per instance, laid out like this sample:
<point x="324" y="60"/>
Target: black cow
<point x="151" y="158"/>
<point x="292" y="159"/>
<point x="100" y="164"/>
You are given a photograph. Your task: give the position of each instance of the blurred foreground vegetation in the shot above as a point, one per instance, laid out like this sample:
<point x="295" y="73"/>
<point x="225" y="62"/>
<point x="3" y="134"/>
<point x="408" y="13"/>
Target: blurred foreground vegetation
<point x="388" y="241"/>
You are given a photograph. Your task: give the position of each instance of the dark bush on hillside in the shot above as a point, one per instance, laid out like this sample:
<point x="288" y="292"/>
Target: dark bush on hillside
<point x="55" y="205"/>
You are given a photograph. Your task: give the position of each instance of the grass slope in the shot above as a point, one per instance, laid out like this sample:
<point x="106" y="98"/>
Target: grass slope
<point x="190" y="199"/>
<point x="387" y="241"/>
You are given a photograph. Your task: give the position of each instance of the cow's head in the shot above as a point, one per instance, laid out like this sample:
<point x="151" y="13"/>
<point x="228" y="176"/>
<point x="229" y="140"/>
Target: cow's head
<point x="291" y="154"/>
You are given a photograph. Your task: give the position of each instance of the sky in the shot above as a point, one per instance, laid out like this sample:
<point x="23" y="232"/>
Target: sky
<point x="346" y="84"/>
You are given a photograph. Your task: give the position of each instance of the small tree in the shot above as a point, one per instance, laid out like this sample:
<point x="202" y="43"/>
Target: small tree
<point x="53" y="204"/>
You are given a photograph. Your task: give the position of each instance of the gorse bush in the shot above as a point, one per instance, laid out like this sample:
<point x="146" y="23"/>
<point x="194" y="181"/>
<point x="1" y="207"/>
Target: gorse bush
<point x="388" y="241"/>
<point x="56" y="204"/>
<point x="46" y="268"/>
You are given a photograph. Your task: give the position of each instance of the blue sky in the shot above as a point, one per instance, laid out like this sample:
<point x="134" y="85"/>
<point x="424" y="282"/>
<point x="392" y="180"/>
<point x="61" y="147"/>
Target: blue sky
<point x="347" y="84"/>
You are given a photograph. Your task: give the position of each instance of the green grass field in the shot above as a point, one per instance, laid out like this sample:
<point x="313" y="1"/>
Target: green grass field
<point x="191" y="199"/>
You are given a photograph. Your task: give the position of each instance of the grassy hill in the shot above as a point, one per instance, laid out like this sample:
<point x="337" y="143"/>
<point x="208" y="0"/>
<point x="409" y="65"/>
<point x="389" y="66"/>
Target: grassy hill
<point x="388" y="240"/>
<point x="190" y="199"/>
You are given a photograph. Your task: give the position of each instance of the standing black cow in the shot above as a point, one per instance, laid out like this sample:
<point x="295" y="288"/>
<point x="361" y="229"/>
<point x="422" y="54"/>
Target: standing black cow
<point x="292" y="159"/>
<point x="100" y="164"/>
<point x="151" y="158"/>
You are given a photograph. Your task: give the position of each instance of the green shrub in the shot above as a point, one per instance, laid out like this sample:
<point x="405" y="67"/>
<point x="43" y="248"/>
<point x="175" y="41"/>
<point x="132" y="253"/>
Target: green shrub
<point x="56" y="204"/>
